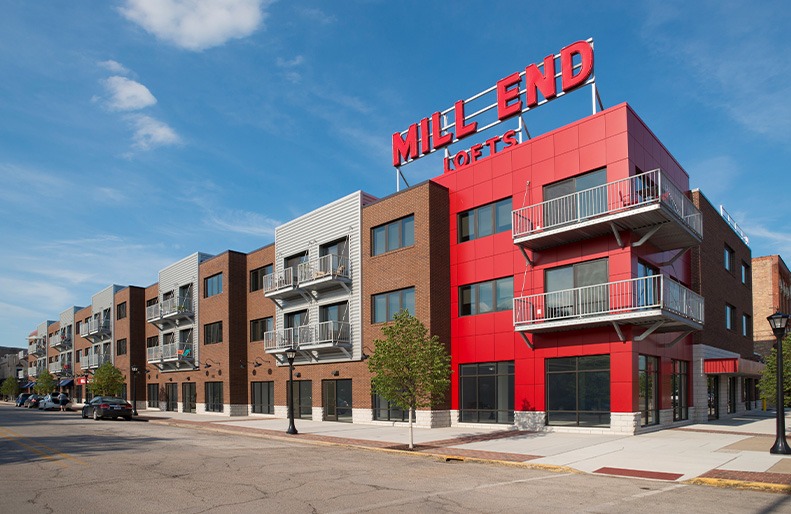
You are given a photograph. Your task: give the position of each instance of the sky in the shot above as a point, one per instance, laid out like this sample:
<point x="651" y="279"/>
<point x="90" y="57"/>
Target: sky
<point x="136" y="132"/>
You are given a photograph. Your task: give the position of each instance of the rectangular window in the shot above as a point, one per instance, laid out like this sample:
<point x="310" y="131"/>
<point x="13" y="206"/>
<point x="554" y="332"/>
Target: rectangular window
<point x="730" y="317"/>
<point x="152" y="395"/>
<point x="564" y="294"/>
<point x="120" y="311"/>
<point x="392" y="236"/>
<point x="747" y="326"/>
<point x="152" y="301"/>
<point x="486" y="392"/>
<point x="212" y="285"/>
<point x="680" y="390"/>
<point x="386" y="411"/>
<point x="731" y="395"/>
<point x="120" y="347"/>
<point x="728" y="258"/>
<point x="745" y="273"/>
<point x="576" y="198"/>
<point x="152" y="342"/>
<point x="578" y="391"/>
<point x="483" y="297"/>
<point x="257" y="277"/>
<point x="213" y="396"/>
<point x="258" y="327"/>
<point x="649" y="390"/>
<point x="212" y="333"/>
<point x="263" y="397"/>
<point x="386" y="305"/>
<point x="485" y="220"/>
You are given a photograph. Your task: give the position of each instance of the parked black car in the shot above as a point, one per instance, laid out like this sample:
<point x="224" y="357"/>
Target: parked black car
<point x="32" y="401"/>
<point x="107" y="407"/>
<point x="20" y="400"/>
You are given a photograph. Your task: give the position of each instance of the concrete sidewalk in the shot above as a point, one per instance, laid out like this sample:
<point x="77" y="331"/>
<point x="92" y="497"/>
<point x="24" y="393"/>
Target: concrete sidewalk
<point x="733" y="452"/>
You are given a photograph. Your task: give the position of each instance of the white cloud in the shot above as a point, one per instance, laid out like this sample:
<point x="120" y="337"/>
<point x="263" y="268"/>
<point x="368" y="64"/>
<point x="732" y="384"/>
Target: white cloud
<point x="316" y="15"/>
<point x="127" y="94"/>
<point x="296" y="61"/>
<point x="151" y="133"/>
<point x="243" y="222"/>
<point x="114" y="67"/>
<point x="196" y="24"/>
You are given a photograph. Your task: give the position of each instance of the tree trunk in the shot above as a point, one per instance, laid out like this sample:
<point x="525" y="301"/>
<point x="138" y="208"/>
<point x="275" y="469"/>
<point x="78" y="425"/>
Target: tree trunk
<point x="411" y="438"/>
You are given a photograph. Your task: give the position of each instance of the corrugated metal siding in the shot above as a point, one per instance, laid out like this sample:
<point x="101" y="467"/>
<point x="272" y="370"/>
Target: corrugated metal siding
<point x="337" y="220"/>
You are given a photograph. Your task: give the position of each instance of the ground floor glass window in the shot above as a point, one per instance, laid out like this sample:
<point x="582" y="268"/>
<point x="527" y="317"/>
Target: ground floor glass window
<point x="263" y="395"/>
<point x="486" y="392"/>
<point x="578" y="391"/>
<point x="731" y="395"/>
<point x="303" y="398"/>
<point x="152" y="395"/>
<point x="648" y="376"/>
<point x="213" y="396"/>
<point x="680" y="390"/>
<point x="386" y="411"/>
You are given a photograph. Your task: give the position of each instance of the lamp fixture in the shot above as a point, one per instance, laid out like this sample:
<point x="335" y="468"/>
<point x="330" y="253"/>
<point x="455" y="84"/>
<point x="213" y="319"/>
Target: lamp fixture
<point x="207" y="365"/>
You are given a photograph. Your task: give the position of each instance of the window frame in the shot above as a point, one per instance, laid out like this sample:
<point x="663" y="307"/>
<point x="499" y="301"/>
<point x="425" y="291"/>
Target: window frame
<point x="120" y="344"/>
<point x="730" y="317"/>
<point x="120" y="311"/>
<point x="746" y="325"/>
<point x="496" y="225"/>
<point x="210" y="330"/>
<point x="257" y="276"/>
<point x="745" y="277"/>
<point x="475" y="295"/>
<point x="402" y="300"/>
<point x="212" y="285"/>
<point x="403" y="240"/>
<point x="728" y="258"/>
<point x="267" y="324"/>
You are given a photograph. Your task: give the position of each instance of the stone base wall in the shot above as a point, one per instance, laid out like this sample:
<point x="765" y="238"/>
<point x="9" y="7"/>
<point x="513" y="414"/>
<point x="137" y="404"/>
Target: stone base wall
<point x="532" y="421"/>
<point x="624" y="422"/>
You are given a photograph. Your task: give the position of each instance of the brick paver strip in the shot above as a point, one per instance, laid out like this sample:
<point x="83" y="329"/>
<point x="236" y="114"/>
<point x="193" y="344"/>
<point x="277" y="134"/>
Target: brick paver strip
<point x="725" y="432"/>
<point x="749" y="476"/>
<point x="639" y="473"/>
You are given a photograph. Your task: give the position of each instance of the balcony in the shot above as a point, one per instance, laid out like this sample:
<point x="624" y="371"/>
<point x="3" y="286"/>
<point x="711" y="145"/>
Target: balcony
<point x="38" y="349"/>
<point x="60" y="341"/>
<point x="648" y="205"/>
<point x="171" y="311"/>
<point x="327" y="334"/>
<point x="96" y="328"/>
<point x="171" y="352"/>
<point x="281" y="284"/>
<point x="32" y="371"/>
<point x="658" y="301"/>
<point x="55" y="367"/>
<point x="94" y="361"/>
<point x="325" y="272"/>
<point x="84" y="329"/>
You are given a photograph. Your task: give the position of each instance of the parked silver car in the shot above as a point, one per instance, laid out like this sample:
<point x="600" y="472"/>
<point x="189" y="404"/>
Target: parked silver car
<point x="51" y="401"/>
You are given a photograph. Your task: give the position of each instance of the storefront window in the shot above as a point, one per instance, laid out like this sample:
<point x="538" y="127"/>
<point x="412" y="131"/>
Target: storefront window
<point x="578" y="391"/>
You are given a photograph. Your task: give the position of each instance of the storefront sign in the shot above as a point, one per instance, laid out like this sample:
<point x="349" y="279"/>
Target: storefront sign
<point x="514" y="94"/>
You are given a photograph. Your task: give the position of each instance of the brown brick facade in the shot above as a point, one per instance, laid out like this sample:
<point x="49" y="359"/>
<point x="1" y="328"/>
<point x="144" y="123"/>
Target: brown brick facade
<point x="771" y="283"/>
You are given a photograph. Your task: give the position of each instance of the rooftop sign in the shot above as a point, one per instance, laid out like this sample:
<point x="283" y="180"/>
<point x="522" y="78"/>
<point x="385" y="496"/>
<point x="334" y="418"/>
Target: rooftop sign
<point x="513" y="95"/>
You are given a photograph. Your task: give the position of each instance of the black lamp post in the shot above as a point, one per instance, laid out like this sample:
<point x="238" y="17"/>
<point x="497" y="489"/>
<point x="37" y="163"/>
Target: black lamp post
<point x="779" y="323"/>
<point x="135" y="371"/>
<point x="290" y="354"/>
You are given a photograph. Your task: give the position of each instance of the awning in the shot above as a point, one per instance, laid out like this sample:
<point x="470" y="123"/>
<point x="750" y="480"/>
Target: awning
<point x="66" y="382"/>
<point x="732" y="366"/>
<point x="29" y="384"/>
<point x="82" y="380"/>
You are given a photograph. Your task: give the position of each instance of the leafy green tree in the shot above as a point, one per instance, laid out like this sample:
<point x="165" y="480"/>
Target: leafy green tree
<point x="10" y="387"/>
<point x="411" y="370"/>
<point x="107" y="381"/>
<point x="45" y="383"/>
<point x="768" y="383"/>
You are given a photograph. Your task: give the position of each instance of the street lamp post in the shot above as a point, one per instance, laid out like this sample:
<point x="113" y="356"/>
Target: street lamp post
<point x="290" y="354"/>
<point x="135" y="370"/>
<point x="779" y="323"/>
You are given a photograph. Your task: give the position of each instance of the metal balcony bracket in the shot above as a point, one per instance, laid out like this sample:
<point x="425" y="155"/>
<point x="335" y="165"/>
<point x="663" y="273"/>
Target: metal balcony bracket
<point x="343" y="285"/>
<point x="345" y="352"/>
<point x="647" y="236"/>
<point x="681" y="336"/>
<point x="307" y="296"/>
<point x="649" y="331"/>
<point x="527" y="341"/>
<point x="675" y="257"/>
<point x="618" y="331"/>
<point x="616" y="234"/>
<point x="277" y="302"/>
<point x="530" y="261"/>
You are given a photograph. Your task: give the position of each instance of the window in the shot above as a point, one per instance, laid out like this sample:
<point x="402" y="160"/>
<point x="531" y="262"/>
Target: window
<point x="730" y="317"/>
<point x="152" y="395"/>
<point x="578" y="391"/>
<point x="387" y="305"/>
<point x="562" y="205"/>
<point x="491" y="296"/>
<point x="213" y="396"/>
<point x="647" y="290"/>
<point x="257" y="277"/>
<point x="747" y="325"/>
<point x="563" y="298"/>
<point x="728" y="258"/>
<point x="485" y="220"/>
<point x="263" y="395"/>
<point x="120" y="311"/>
<point x="396" y="234"/>
<point x="152" y="301"/>
<point x="258" y="327"/>
<point x="303" y="398"/>
<point x="212" y="285"/>
<point x="731" y="407"/>
<point x="152" y="342"/>
<point x="78" y="356"/>
<point x="680" y="390"/>
<point x="745" y="273"/>
<point x="293" y="262"/>
<point x="212" y="333"/>
<point x="648" y="369"/>
<point x="120" y="347"/>
<point x="77" y="327"/>
<point x="386" y="411"/>
<point x="486" y="392"/>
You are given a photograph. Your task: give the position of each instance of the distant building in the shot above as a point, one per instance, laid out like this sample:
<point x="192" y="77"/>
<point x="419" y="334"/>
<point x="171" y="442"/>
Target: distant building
<point x="771" y="292"/>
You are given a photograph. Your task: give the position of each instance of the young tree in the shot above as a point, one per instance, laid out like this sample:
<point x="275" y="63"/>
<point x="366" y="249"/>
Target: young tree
<point x="10" y="388"/>
<point x="107" y="381"/>
<point x="768" y="383"/>
<point x="45" y="383"/>
<point x="410" y="369"/>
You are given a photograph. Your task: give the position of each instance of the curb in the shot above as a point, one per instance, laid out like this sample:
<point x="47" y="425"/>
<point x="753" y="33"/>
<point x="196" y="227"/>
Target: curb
<point x="741" y="484"/>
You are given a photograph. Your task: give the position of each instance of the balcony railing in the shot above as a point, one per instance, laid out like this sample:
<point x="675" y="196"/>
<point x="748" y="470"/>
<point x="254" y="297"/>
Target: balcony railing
<point x="154" y="353"/>
<point x="95" y="360"/>
<point x="84" y="329"/>
<point x="327" y="267"/>
<point x="55" y="367"/>
<point x="98" y="326"/>
<point x="60" y="341"/>
<point x="153" y="312"/>
<point x="32" y="372"/>
<point x="38" y="349"/>
<point x="324" y="334"/>
<point x="54" y="341"/>
<point x="637" y="203"/>
<point x="279" y="281"/>
<point x="177" y="305"/>
<point x="171" y="351"/>
<point x="638" y="300"/>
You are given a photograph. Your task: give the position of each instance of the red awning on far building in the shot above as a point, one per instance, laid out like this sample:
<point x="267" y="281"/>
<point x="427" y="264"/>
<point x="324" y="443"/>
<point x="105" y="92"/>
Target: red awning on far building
<point x="732" y="366"/>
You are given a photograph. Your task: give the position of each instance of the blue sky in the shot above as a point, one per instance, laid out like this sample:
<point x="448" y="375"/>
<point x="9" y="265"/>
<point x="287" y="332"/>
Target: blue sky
<point x="136" y="132"/>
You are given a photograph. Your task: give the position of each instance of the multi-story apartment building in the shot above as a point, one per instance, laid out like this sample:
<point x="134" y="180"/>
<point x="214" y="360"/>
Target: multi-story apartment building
<point x="725" y="370"/>
<point x="38" y="349"/>
<point x="771" y="283"/>
<point x="128" y="335"/>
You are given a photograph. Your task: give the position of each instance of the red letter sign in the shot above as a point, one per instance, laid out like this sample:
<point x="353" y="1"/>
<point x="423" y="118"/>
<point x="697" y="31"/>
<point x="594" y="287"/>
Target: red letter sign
<point x="405" y="148"/>
<point x="534" y="80"/>
<point x="505" y="93"/>
<point x="568" y="80"/>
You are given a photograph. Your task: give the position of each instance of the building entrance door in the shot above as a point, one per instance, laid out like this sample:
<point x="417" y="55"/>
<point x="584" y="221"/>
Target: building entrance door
<point x="172" y="395"/>
<point x="337" y="400"/>
<point x="714" y="396"/>
<point x="188" y="396"/>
